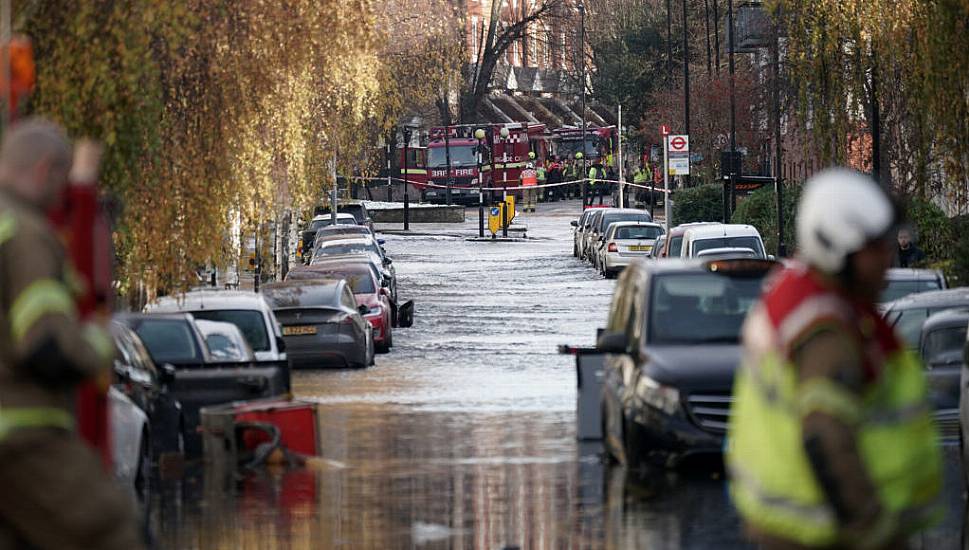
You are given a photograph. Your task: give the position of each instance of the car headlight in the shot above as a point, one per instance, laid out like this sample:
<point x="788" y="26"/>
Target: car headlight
<point x="659" y="396"/>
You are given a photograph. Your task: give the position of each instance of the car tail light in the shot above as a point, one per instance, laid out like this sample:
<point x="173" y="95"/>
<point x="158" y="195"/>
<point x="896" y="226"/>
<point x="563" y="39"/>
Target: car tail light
<point x="613" y="247"/>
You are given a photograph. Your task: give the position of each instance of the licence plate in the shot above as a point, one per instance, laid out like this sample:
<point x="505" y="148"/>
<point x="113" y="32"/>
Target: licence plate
<point x="640" y="248"/>
<point x="299" y="331"/>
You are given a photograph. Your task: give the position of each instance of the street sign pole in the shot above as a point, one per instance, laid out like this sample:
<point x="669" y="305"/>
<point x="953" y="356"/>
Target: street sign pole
<point x="667" y="209"/>
<point x="622" y="201"/>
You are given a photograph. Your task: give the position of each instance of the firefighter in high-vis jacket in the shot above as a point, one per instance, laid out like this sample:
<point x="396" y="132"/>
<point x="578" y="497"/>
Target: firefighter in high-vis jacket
<point x="831" y="442"/>
<point x="55" y="490"/>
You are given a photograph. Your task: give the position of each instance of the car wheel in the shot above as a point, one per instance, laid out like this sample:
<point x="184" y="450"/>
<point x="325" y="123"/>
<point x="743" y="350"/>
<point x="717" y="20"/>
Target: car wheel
<point x="575" y="250"/>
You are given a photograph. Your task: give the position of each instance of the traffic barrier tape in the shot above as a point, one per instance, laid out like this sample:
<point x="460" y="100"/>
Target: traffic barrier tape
<point x="510" y="187"/>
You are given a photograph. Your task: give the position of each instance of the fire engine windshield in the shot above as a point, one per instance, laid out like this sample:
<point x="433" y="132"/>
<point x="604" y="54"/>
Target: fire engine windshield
<point x="568" y="149"/>
<point x="461" y="155"/>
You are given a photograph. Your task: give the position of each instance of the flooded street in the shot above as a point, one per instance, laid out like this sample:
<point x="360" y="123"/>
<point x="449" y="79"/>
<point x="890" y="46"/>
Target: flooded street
<point x="464" y="435"/>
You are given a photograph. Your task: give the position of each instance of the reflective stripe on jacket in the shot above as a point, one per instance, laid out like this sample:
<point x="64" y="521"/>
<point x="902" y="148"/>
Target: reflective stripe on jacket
<point x="529" y="177"/>
<point x="773" y="483"/>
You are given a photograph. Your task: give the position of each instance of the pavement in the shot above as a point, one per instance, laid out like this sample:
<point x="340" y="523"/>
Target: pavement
<point x="464" y="435"/>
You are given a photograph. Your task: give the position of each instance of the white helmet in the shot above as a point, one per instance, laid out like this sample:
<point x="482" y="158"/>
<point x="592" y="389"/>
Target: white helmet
<point x="840" y="212"/>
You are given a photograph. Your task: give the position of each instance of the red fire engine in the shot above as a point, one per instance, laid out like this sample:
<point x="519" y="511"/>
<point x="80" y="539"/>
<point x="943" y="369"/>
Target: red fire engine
<point x="600" y="143"/>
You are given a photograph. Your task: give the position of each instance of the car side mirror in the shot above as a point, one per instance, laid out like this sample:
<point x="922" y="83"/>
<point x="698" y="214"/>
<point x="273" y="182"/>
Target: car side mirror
<point x="574" y="223"/>
<point x="166" y="374"/>
<point x="280" y="344"/>
<point x="613" y="342"/>
<point x="362" y="309"/>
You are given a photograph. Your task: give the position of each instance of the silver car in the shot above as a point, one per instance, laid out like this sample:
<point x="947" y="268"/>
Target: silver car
<point x="322" y="324"/>
<point x="624" y="242"/>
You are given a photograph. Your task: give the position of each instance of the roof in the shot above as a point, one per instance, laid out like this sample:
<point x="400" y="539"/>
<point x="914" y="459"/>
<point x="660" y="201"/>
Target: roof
<point x="636" y="223"/>
<point x="911" y="274"/>
<point x="209" y="299"/>
<point x="315" y="292"/>
<point x="681" y="229"/>
<point x="954" y="297"/>
<point x="722" y="230"/>
<point x="957" y="317"/>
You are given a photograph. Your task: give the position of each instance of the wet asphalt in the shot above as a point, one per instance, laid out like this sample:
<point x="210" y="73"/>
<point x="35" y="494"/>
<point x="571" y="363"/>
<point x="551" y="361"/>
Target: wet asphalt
<point x="464" y="435"/>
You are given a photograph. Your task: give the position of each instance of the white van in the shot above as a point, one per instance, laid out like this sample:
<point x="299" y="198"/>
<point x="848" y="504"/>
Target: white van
<point x="247" y="310"/>
<point x="722" y="236"/>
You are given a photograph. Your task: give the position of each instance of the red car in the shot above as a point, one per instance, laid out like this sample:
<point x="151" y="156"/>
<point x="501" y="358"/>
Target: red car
<point x="367" y="291"/>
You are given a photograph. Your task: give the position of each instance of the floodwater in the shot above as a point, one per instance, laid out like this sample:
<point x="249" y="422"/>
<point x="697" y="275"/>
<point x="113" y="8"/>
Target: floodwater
<point x="464" y="435"/>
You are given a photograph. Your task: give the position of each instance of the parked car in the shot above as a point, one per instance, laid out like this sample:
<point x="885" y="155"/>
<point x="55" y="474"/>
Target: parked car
<point x="657" y="247"/>
<point x="147" y="425"/>
<point x="704" y="237"/>
<point x="941" y="348"/>
<point x="672" y="345"/>
<point x="608" y="217"/>
<point x="908" y="314"/>
<point x="624" y="242"/>
<point x="322" y="324"/>
<point x="586" y="238"/>
<point x="360" y="247"/>
<point x="225" y="342"/>
<point x="674" y="239"/>
<point x="367" y="290"/>
<point x="357" y="209"/>
<point x="355" y="230"/>
<point x="318" y="222"/>
<point x="199" y="380"/>
<point x="387" y="277"/>
<point x="902" y="281"/>
<point x="247" y="310"/>
<point x="578" y="227"/>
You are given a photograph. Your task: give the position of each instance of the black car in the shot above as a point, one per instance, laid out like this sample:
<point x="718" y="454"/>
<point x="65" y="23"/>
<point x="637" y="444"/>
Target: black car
<point x="941" y="346"/>
<point x="356" y="209"/>
<point x="672" y="345"/>
<point x="149" y="386"/>
<point x="199" y="380"/>
<point x="908" y="314"/>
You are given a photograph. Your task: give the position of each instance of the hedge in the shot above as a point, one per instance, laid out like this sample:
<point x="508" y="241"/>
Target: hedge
<point x="703" y="203"/>
<point x="759" y="209"/>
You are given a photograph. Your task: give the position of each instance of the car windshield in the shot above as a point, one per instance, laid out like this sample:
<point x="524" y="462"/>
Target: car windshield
<point x="250" y="322"/>
<point x="328" y="221"/>
<point x="460" y="155"/>
<point x="698" y="308"/>
<point x="223" y="348"/>
<point x="944" y="346"/>
<point x="638" y="232"/>
<point x="752" y="243"/>
<point x="902" y="288"/>
<point x="610" y="219"/>
<point x="347" y="248"/>
<point x="169" y="341"/>
<point x="676" y="245"/>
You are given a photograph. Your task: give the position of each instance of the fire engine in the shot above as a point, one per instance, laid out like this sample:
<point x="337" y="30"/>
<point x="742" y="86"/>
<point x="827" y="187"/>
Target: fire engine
<point x="600" y="143"/>
<point x="502" y="161"/>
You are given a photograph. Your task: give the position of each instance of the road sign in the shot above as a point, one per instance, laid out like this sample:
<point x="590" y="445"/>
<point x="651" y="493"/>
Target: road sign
<point x="664" y="130"/>
<point x="679" y="144"/>
<point x="679" y="155"/>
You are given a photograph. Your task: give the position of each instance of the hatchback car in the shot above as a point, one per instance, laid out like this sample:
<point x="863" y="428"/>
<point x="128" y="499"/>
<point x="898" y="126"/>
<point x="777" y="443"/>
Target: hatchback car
<point x="624" y="242"/>
<point x="673" y="245"/>
<point x="318" y="222"/>
<point x="322" y="324"/>
<point x="657" y="247"/>
<point x="672" y="345"/>
<point x="365" y="285"/>
<point x="902" y="281"/>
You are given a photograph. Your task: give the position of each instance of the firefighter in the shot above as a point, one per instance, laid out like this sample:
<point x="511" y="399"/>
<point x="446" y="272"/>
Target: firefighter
<point x="542" y="180"/>
<point x="56" y="492"/>
<point x="578" y="177"/>
<point x="597" y="183"/>
<point x="641" y="177"/>
<point x="555" y="192"/>
<point x="831" y="439"/>
<point x="529" y="179"/>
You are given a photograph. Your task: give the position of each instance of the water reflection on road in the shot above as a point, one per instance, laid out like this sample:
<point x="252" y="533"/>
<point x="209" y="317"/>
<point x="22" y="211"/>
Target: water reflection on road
<point x="464" y="436"/>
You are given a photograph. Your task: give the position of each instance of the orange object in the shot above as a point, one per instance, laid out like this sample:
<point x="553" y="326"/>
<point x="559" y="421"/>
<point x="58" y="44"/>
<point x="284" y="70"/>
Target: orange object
<point x="23" y="73"/>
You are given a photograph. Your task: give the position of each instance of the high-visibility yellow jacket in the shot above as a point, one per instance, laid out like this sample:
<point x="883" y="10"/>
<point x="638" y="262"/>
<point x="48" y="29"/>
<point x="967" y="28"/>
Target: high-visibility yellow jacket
<point x="45" y="351"/>
<point x="773" y="482"/>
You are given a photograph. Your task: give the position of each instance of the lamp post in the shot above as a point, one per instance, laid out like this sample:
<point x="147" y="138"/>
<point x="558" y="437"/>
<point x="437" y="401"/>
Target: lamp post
<point x="447" y="155"/>
<point x="686" y="87"/>
<point x="733" y="112"/>
<point x="504" y="133"/>
<point x="479" y="135"/>
<point x="585" y="171"/>
<point x="406" y="179"/>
